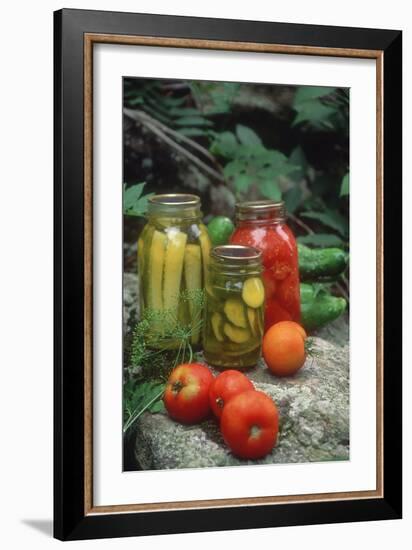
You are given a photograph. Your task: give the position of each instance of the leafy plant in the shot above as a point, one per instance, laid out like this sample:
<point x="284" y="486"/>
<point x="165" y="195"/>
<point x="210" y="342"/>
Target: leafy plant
<point x="134" y="203"/>
<point x="250" y="163"/>
<point x="214" y="97"/>
<point x="344" y="189"/>
<point x="157" y="100"/>
<point x="322" y="107"/>
<point x="321" y="239"/>
<point x="139" y="398"/>
<point x="154" y="354"/>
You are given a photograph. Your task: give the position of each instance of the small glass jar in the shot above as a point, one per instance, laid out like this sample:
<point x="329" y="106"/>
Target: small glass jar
<point x="173" y="254"/>
<point x="262" y="224"/>
<point x="233" y="323"/>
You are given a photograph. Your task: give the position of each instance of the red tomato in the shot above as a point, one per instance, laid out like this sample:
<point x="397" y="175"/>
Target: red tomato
<point x="225" y="386"/>
<point x="186" y="397"/>
<point x="250" y="424"/>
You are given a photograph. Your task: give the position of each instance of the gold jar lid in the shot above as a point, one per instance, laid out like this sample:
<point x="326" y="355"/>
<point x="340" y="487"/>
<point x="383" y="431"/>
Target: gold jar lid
<point x="261" y="210"/>
<point x="173" y="203"/>
<point x="237" y="255"/>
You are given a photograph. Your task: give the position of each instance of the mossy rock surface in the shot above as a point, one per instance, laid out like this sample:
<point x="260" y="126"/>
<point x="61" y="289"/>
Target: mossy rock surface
<point x="313" y="407"/>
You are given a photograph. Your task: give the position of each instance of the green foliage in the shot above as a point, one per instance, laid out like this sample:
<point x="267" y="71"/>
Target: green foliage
<point x="156" y="100"/>
<point x="330" y="218"/>
<point x="292" y="198"/>
<point x="214" y="97"/>
<point x="250" y="163"/>
<point x="313" y="183"/>
<point x="141" y="397"/>
<point x="154" y="354"/>
<point x="321" y="107"/>
<point x="344" y="190"/>
<point x="134" y="203"/>
<point x="321" y="239"/>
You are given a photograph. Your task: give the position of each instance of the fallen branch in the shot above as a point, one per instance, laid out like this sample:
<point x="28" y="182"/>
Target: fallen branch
<point x="161" y="130"/>
<point x="301" y="224"/>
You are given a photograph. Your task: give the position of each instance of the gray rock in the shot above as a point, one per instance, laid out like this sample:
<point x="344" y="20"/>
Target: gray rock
<point x="313" y="407"/>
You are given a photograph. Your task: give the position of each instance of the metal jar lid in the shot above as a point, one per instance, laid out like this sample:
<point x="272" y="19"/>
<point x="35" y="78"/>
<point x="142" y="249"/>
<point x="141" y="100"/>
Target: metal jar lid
<point x="170" y="203"/>
<point x="261" y="210"/>
<point x="237" y="255"/>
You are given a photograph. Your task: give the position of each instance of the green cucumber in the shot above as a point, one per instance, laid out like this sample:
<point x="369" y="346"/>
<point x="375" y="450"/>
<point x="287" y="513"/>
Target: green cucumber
<point x="318" y="307"/>
<point x="317" y="264"/>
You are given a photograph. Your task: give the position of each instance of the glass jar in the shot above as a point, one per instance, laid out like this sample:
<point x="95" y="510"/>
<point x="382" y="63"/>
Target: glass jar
<point x="233" y="324"/>
<point x="262" y="224"/>
<point x="173" y="253"/>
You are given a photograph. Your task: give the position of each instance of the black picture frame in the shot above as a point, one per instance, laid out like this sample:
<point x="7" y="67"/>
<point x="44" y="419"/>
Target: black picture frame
<point x="71" y="521"/>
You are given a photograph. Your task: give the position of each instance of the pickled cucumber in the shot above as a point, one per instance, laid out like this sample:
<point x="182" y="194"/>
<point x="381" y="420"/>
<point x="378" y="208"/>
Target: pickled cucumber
<point x="205" y="244"/>
<point x="253" y="292"/>
<point x="251" y="315"/>
<point x="174" y="257"/>
<point x="156" y="265"/>
<point x="235" y="312"/>
<point x="216" y="322"/>
<point x="193" y="281"/>
<point x="236" y="334"/>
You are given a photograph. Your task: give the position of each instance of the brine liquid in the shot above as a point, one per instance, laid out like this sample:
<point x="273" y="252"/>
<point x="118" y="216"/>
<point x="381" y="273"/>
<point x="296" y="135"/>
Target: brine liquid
<point x="233" y="330"/>
<point x="172" y="264"/>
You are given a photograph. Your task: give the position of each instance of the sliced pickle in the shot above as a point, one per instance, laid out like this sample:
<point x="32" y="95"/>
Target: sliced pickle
<point x="156" y="264"/>
<point x="235" y="312"/>
<point x="193" y="281"/>
<point x="236" y="334"/>
<point x="175" y="251"/>
<point x="217" y="322"/>
<point x="253" y="292"/>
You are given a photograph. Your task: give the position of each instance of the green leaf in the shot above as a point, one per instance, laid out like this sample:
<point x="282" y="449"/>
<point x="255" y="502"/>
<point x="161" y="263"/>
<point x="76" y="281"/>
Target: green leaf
<point x="134" y="204"/>
<point x="344" y="189"/>
<point x="224" y="145"/>
<point x="247" y="136"/>
<point x="234" y="168"/>
<point x="192" y="121"/>
<point x="242" y="182"/>
<point x="314" y="112"/>
<point x="307" y="93"/>
<point x="292" y="198"/>
<point x="321" y="239"/>
<point x="192" y="132"/>
<point x="140" y="398"/>
<point x="270" y="190"/>
<point x="184" y="112"/>
<point x="298" y="158"/>
<point x="157" y="407"/>
<point x="136" y="101"/>
<point x="330" y="218"/>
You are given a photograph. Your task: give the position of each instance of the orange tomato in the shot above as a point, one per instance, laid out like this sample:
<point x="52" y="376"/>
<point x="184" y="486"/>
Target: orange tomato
<point x="283" y="349"/>
<point x="293" y="325"/>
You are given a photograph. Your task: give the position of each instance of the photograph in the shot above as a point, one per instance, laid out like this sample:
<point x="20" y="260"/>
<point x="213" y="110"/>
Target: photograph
<point x="236" y="247"/>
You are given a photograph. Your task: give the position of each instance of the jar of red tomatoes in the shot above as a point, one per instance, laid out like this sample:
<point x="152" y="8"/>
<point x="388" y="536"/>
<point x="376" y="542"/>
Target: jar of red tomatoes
<point x="262" y="224"/>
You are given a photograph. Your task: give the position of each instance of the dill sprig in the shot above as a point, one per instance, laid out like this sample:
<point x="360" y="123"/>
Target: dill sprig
<point x="155" y="352"/>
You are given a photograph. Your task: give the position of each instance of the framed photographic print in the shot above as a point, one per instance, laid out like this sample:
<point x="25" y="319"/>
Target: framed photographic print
<point x="227" y="274"/>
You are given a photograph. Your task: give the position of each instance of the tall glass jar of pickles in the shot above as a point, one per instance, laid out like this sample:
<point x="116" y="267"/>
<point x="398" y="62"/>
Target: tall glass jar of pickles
<point x="173" y="253"/>
<point x="235" y="296"/>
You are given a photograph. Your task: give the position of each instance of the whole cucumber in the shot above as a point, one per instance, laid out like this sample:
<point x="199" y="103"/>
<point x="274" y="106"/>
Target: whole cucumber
<point x="317" y="264"/>
<point x="319" y="307"/>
